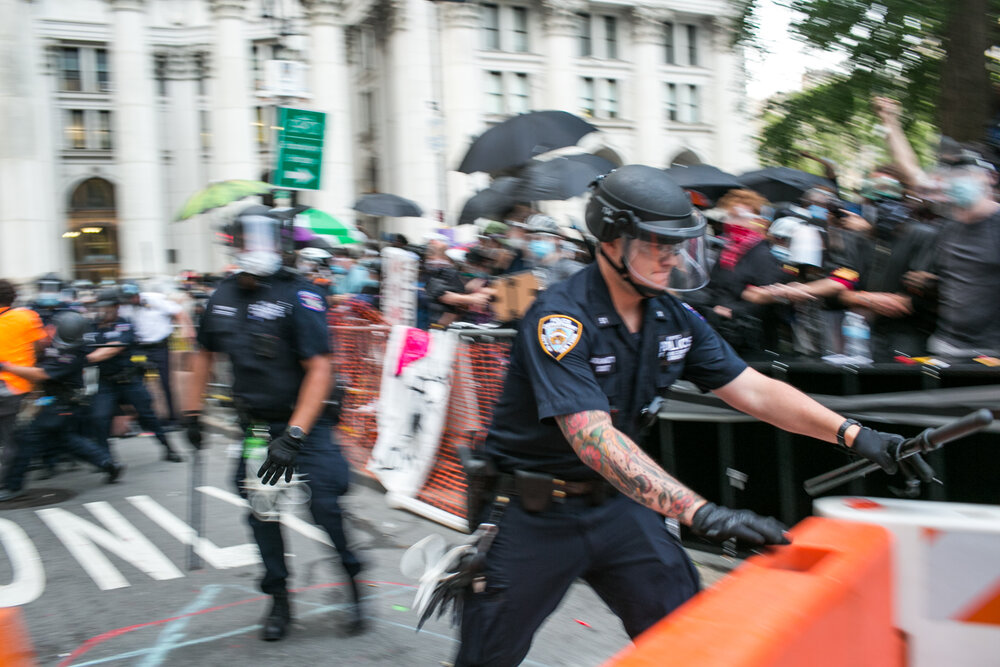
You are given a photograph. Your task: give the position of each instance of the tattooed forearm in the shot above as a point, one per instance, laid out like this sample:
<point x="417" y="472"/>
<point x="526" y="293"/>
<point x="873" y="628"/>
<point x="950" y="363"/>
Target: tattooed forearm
<point x="619" y="460"/>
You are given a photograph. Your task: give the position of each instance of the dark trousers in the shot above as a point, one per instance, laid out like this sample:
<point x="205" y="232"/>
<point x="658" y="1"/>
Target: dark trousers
<point x="110" y="395"/>
<point x="55" y="428"/>
<point x="9" y="407"/>
<point x="620" y="548"/>
<point x="326" y="472"/>
<point x="159" y="355"/>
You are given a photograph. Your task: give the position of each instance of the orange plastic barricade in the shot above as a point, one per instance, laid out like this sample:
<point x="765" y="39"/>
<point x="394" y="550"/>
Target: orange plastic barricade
<point x="15" y="644"/>
<point x="823" y="601"/>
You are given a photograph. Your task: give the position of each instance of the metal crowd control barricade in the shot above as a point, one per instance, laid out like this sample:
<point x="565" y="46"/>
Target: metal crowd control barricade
<point x="477" y="379"/>
<point x="736" y="460"/>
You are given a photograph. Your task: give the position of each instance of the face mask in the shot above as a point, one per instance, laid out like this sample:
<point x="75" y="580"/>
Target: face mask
<point x="781" y="253"/>
<point x="338" y="270"/>
<point x="260" y="263"/>
<point x="818" y="212"/>
<point x="965" y="192"/>
<point x="542" y="249"/>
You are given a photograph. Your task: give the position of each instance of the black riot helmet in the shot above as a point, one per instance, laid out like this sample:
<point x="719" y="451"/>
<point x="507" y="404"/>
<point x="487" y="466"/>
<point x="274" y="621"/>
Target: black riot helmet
<point x="70" y="328"/>
<point x="644" y="206"/>
<point x="259" y="237"/>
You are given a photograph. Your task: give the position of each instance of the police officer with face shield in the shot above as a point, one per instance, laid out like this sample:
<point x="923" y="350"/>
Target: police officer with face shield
<point x="57" y="426"/>
<point x="592" y="355"/>
<point x="271" y="323"/>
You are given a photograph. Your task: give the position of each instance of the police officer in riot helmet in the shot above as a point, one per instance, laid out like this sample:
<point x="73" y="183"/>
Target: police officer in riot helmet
<point x="271" y="323"/>
<point x="120" y="373"/>
<point x="56" y="425"/>
<point x="591" y="358"/>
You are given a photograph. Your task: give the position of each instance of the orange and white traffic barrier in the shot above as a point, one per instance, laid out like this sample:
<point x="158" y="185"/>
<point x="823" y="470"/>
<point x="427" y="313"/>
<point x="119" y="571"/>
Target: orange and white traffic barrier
<point x="15" y="643"/>
<point x="823" y="601"/>
<point x="947" y="564"/>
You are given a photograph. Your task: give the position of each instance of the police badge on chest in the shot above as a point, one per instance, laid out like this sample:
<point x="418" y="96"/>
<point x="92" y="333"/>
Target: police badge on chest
<point x="673" y="348"/>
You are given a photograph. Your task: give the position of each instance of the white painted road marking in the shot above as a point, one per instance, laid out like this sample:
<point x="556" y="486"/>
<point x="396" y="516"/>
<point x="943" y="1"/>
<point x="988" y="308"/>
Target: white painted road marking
<point x="28" y="580"/>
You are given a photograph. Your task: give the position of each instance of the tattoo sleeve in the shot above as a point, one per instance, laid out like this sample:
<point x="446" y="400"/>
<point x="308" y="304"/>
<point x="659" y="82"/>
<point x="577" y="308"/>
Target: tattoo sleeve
<point x="619" y="460"/>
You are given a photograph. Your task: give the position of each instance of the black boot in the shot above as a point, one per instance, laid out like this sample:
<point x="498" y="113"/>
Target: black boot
<point x="278" y="619"/>
<point x="172" y="456"/>
<point x="114" y="470"/>
<point x="355" y="620"/>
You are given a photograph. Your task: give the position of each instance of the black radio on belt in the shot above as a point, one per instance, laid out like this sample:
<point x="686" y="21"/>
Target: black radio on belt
<point x="265" y="345"/>
<point x="649" y="414"/>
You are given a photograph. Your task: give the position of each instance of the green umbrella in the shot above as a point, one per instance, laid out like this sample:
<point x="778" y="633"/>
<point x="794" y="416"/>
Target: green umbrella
<point x="322" y="222"/>
<point x="221" y="193"/>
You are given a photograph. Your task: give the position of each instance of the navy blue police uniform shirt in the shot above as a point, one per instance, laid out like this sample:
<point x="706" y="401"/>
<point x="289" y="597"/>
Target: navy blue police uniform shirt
<point x="64" y="368"/>
<point x="267" y="332"/>
<point x="120" y="332"/>
<point x="573" y="353"/>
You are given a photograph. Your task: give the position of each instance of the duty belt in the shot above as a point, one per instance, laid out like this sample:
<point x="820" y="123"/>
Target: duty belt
<point x="537" y="491"/>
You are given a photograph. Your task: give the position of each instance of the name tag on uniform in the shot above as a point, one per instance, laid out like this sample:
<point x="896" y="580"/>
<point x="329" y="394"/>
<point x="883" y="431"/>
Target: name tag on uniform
<point x="603" y="365"/>
<point x="673" y="348"/>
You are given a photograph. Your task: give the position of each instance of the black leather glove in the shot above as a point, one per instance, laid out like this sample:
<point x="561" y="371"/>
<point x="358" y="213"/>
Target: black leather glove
<point x="281" y="454"/>
<point x="721" y="523"/>
<point x="191" y="421"/>
<point x="878" y="447"/>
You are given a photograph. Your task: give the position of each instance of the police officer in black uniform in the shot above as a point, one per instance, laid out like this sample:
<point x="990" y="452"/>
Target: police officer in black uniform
<point x="57" y="423"/>
<point x="120" y="378"/>
<point x="271" y="323"/>
<point x="586" y="501"/>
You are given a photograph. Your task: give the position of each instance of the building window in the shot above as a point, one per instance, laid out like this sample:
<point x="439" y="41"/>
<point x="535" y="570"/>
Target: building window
<point x="587" y="97"/>
<point x="610" y="37"/>
<point x="672" y="102"/>
<point x="491" y="27"/>
<point x="668" y="43"/>
<point x="160" y="73"/>
<point x="694" y="105"/>
<point x="692" y="35"/>
<point x="507" y="93"/>
<point x="103" y="133"/>
<point x="519" y="32"/>
<point x="103" y="79"/>
<point x="367" y="48"/>
<point x="368" y="113"/>
<point x="609" y="106"/>
<point x="76" y="130"/>
<point x="69" y="66"/>
<point x="520" y="94"/>
<point x="261" y="128"/>
<point x="494" y="92"/>
<point x="586" y="46"/>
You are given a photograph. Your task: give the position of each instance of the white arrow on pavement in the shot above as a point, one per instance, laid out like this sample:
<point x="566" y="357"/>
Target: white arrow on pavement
<point x="300" y="176"/>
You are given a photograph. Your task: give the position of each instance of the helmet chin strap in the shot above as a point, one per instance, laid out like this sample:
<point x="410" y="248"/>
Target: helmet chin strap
<point x="644" y="291"/>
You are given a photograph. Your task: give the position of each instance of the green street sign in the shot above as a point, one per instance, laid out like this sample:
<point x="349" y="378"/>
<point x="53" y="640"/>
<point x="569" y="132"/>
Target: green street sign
<point x="300" y="149"/>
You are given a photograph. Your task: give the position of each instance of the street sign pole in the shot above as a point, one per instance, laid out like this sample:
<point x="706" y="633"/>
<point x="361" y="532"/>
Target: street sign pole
<point x="299" y="156"/>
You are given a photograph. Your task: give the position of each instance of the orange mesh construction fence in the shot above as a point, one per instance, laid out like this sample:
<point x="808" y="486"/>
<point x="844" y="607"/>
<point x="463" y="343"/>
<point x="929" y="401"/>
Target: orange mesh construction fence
<point x="359" y="337"/>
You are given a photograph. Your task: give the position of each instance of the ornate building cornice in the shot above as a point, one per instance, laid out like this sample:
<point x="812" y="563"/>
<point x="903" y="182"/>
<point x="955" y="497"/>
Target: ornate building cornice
<point x="128" y="5"/>
<point x="562" y="16"/>
<point x="182" y="63"/>
<point x="647" y="23"/>
<point x="324" y="12"/>
<point x="459" y="15"/>
<point x="231" y="9"/>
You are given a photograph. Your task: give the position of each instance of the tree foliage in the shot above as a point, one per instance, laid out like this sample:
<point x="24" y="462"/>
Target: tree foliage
<point x="928" y="54"/>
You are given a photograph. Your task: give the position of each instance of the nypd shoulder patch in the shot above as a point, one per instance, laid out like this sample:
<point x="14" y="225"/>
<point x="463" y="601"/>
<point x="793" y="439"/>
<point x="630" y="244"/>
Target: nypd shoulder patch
<point x="311" y="300"/>
<point x="558" y="334"/>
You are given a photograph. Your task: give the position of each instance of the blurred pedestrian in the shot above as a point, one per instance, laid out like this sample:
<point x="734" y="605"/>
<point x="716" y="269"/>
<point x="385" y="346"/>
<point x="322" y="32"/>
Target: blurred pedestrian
<point x="21" y="335"/>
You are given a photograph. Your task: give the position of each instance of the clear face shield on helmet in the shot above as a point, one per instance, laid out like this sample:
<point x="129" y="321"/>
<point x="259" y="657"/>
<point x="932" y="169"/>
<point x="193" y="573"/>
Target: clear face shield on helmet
<point x="661" y="262"/>
<point x="257" y="244"/>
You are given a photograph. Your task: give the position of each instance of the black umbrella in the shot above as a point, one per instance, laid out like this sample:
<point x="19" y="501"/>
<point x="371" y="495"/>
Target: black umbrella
<point x="493" y="202"/>
<point x="783" y="183"/>
<point x="706" y="179"/>
<point x="389" y="206"/>
<point x="518" y="139"/>
<point x="561" y="177"/>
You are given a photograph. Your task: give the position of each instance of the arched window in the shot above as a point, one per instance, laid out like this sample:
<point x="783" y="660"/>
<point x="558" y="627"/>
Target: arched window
<point x="686" y="158"/>
<point x="93" y="194"/>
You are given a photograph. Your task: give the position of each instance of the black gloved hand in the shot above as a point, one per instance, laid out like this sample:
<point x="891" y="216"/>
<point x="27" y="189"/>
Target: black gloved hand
<point x="878" y="447"/>
<point x="191" y="421"/>
<point x="721" y="523"/>
<point x="281" y="454"/>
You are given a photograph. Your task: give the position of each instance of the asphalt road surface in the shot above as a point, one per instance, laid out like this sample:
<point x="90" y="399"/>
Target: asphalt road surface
<point x="100" y="573"/>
